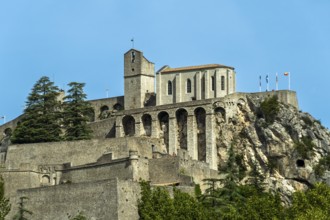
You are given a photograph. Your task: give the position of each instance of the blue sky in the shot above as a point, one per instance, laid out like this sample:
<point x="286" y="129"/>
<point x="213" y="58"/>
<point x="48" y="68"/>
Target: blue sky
<point x="84" y="41"/>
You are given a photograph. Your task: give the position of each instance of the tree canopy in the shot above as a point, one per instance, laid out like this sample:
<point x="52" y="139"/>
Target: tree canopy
<point x="75" y="113"/>
<point x="41" y="120"/>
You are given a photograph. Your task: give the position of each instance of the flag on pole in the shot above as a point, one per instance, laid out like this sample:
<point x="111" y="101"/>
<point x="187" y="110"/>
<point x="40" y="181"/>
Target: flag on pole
<point x="289" y="76"/>
<point x="2" y="117"/>
<point x="267" y="88"/>
<point x="259" y="83"/>
<point x="267" y="78"/>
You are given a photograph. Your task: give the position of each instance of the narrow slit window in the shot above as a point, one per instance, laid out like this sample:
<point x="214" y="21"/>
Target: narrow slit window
<point x="133" y="56"/>
<point x="212" y="83"/>
<point x="188" y="86"/>
<point x="222" y="83"/>
<point x="169" y="88"/>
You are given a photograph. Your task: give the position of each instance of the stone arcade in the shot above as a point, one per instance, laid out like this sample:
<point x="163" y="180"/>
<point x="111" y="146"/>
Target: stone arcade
<point x="168" y="138"/>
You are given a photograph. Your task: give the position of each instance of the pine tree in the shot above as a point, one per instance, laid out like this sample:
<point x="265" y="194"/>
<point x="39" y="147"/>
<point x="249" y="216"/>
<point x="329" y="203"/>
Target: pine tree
<point x="75" y="113"/>
<point x="41" y="120"/>
<point x="22" y="210"/>
<point x="4" y="202"/>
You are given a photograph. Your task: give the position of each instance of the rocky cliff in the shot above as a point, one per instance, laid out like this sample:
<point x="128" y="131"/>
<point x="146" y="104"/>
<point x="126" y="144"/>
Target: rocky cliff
<point x="284" y="143"/>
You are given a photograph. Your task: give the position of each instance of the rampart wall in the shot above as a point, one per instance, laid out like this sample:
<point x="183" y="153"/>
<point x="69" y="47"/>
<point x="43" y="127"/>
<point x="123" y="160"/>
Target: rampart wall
<point x="99" y="200"/>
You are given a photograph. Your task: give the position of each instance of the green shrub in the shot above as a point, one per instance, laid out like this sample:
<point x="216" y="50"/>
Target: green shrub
<point x="322" y="166"/>
<point x="270" y="108"/>
<point x="304" y="147"/>
<point x="307" y="120"/>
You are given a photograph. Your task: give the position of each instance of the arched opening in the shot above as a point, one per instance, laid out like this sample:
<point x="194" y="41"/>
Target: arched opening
<point x="45" y="180"/>
<point x="129" y="125"/>
<point x="181" y="117"/>
<point x="220" y="115"/>
<point x="200" y="116"/>
<point x="300" y="163"/>
<point x="8" y="132"/>
<point x="163" y="119"/>
<point x="104" y="112"/>
<point x="169" y="88"/>
<point x="118" y="107"/>
<point x="188" y="86"/>
<point x="147" y="122"/>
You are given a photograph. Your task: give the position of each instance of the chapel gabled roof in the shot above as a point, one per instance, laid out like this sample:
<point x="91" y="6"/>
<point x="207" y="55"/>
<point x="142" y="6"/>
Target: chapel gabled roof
<point x="192" y="68"/>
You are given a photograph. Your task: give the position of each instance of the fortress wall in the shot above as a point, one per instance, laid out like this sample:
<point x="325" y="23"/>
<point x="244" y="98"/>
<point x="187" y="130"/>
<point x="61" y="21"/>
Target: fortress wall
<point x="76" y="152"/>
<point x="120" y="170"/>
<point x="164" y="170"/>
<point x="19" y="180"/>
<point x="109" y="102"/>
<point x="174" y="169"/>
<point x="128" y="194"/>
<point x="285" y="96"/>
<point x="101" y="200"/>
<point x="104" y="129"/>
<point x="9" y="125"/>
<point x="198" y="170"/>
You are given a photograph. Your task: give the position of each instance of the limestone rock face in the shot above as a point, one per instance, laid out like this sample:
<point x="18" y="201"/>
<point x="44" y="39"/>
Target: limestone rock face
<point x="273" y="147"/>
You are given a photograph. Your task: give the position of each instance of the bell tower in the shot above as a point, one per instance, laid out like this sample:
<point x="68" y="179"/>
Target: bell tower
<point x="139" y="77"/>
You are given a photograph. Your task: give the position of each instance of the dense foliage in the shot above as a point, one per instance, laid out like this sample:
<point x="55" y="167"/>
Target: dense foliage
<point x="41" y="121"/>
<point x="4" y="202"/>
<point x="45" y="115"/>
<point x="156" y="204"/>
<point x="250" y="205"/>
<point x="270" y="108"/>
<point x="75" y="113"/>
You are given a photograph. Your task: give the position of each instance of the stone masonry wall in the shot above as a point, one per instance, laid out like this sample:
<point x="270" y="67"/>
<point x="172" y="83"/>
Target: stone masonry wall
<point x="100" y="200"/>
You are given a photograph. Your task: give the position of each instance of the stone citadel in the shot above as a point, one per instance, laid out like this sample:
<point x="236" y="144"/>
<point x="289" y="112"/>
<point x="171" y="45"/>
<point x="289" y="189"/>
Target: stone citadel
<point x="166" y="129"/>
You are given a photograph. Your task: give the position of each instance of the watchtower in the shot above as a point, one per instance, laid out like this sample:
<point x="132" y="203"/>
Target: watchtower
<point x="139" y="77"/>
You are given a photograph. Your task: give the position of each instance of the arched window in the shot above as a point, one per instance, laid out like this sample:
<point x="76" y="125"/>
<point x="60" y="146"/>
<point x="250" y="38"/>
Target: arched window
<point x="169" y="88"/>
<point x="222" y="83"/>
<point x="188" y="86"/>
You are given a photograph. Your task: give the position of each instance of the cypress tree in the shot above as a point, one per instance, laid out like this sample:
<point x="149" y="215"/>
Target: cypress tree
<point x="75" y="114"/>
<point x="41" y="121"/>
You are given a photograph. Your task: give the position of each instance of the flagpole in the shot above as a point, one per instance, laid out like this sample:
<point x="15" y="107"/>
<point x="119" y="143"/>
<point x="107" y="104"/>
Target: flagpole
<point x="259" y="83"/>
<point x="276" y="81"/>
<point x="289" y="80"/>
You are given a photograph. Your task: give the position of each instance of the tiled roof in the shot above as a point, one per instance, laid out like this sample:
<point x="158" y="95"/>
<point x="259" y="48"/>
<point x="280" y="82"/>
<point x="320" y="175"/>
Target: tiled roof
<point x="189" y="68"/>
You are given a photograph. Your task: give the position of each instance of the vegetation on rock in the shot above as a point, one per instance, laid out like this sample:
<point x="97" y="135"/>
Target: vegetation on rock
<point x="304" y="147"/>
<point x="322" y="166"/>
<point x="270" y="108"/>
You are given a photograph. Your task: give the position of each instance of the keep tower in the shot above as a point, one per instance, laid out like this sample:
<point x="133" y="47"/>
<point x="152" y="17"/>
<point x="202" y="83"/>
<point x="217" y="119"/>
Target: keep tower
<point x="139" y="77"/>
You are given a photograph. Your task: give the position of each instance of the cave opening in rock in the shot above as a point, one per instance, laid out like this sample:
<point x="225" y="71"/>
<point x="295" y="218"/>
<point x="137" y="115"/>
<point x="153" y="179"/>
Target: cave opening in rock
<point x="300" y="163"/>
